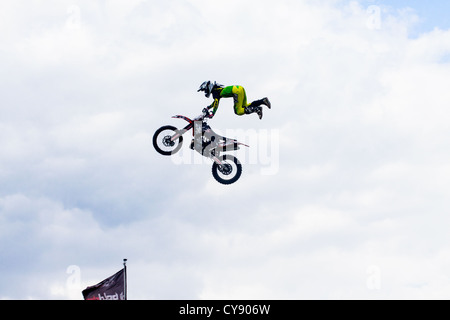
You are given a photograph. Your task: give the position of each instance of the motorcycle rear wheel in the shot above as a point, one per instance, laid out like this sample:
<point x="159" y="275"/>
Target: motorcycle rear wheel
<point x="229" y="172"/>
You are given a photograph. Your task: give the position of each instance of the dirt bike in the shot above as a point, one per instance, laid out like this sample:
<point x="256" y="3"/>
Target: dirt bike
<point x="226" y="168"/>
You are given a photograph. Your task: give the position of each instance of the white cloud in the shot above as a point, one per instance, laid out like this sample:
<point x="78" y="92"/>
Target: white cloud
<point x="362" y="181"/>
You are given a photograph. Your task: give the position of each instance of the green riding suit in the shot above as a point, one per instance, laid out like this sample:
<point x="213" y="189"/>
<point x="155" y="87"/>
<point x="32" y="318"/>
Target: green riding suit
<point x="239" y="95"/>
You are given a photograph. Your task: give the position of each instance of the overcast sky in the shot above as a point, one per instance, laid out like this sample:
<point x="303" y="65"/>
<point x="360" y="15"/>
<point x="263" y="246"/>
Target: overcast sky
<point x="345" y="190"/>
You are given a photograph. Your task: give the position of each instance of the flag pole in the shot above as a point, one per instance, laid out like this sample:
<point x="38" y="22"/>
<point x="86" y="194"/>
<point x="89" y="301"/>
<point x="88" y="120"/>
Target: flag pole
<point x="125" y="277"/>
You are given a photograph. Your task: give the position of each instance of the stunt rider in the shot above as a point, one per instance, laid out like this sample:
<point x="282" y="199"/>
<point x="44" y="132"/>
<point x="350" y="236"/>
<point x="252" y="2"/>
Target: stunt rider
<point x="241" y="106"/>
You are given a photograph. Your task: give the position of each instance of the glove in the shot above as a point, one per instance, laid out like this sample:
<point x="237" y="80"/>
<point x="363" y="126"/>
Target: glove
<point x="207" y="113"/>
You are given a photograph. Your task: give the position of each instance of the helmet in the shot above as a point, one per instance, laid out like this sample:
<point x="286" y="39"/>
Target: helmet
<point x="208" y="87"/>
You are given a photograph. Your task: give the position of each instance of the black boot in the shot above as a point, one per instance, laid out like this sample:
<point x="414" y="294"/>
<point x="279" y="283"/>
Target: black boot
<point x="264" y="101"/>
<point x="267" y="103"/>
<point x="254" y="109"/>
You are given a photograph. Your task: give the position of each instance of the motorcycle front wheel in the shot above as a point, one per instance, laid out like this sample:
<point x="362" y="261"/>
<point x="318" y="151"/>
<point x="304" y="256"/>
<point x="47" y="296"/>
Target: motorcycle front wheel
<point x="162" y="141"/>
<point x="229" y="171"/>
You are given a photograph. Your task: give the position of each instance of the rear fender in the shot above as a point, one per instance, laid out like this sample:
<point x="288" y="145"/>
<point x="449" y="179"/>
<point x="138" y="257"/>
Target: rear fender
<point x="231" y="145"/>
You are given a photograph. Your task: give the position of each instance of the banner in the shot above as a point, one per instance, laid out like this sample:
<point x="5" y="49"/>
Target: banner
<point x="112" y="288"/>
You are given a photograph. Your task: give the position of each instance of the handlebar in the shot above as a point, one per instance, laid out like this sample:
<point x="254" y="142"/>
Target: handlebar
<point x="205" y="116"/>
<point x="206" y="113"/>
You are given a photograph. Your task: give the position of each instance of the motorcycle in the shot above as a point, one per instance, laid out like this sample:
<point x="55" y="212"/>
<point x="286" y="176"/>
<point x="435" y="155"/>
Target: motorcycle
<point x="226" y="169"/>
